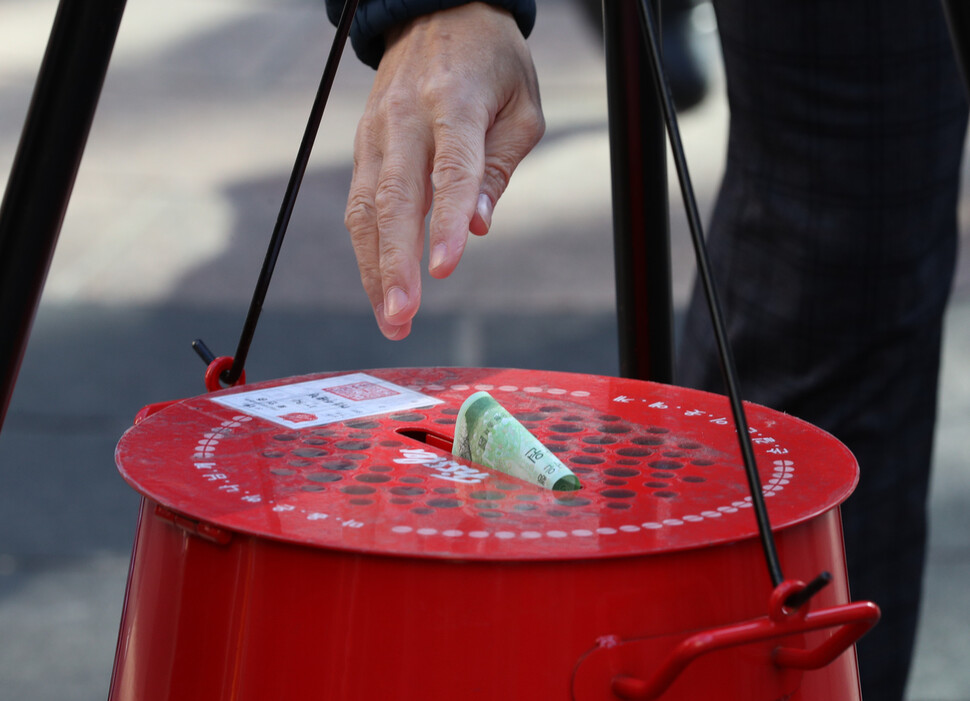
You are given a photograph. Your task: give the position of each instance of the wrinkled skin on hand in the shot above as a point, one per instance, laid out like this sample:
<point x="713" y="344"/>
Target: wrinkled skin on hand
<point x="453" y="110"/>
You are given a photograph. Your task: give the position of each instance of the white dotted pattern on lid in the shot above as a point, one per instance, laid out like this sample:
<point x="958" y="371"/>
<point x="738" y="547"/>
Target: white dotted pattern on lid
<point x="782" y="475"/>
<point x="784" y="470"/>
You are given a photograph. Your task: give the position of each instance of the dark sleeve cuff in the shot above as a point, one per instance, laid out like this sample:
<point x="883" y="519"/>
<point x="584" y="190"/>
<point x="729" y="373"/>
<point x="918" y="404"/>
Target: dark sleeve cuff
<point x="375" y="17"/>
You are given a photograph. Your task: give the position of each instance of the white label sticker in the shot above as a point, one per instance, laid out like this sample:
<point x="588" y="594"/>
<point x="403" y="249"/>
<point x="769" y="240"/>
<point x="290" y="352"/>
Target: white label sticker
<point x="325" y="401"/>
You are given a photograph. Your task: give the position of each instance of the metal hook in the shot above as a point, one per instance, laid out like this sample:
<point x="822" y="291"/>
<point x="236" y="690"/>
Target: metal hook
<point x="199" y="346"/>
<point x="801" y="597"/>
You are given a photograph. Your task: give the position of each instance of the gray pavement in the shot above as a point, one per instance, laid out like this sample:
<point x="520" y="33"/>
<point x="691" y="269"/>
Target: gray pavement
<point x="200" y="119"/>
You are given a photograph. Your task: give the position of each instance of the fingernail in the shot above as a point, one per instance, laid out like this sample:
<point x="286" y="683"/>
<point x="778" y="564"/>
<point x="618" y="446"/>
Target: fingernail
<point x="484" y="209"/>
<point x="394" y="301"/>
<point x="438" y="253"/>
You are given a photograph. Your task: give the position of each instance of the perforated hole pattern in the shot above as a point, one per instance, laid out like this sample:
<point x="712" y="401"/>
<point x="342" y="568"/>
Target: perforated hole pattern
<point x="616" y="461"/>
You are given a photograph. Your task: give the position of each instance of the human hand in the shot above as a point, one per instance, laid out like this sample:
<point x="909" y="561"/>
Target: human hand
<point x="454" y="108"/>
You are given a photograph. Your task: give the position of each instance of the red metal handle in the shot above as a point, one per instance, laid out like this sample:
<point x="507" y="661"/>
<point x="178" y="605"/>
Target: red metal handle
<point x="855" y="618"/>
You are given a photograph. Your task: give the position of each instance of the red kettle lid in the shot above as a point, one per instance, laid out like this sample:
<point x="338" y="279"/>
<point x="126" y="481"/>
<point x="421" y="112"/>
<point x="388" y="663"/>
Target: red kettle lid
<point x="359" y="461"/>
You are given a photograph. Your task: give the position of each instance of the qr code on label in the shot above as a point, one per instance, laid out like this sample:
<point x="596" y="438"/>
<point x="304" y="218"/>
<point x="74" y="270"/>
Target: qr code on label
<point x="362" y="391"/>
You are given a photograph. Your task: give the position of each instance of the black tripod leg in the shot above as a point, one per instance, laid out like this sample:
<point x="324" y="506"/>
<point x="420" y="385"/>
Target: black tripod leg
<point x="46" y="163"/>
<point x="638" y="159"/>
<point x="958" y="18"/>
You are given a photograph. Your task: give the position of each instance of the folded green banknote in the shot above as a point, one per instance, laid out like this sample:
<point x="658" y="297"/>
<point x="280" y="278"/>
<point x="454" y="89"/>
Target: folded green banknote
<point x="488" y="435"/>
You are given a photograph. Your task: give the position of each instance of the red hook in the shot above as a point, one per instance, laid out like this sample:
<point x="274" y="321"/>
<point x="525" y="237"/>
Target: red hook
<point x="214" y="371"/>
<point x="849" y="622"/>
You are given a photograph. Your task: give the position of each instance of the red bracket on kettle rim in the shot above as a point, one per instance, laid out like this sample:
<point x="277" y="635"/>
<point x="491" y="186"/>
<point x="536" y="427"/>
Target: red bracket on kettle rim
<point x="214" y="371"/>
<point x="853" y="619"/>
<point x="217" y="368"/>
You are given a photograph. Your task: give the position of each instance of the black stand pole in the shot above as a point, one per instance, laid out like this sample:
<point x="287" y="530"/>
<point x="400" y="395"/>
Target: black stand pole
<point x="638" y="158"/>
<point x="44" y="168"/>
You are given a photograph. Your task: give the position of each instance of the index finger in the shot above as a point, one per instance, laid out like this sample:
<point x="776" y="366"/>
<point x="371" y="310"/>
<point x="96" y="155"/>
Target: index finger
<point x="401" y="201"/>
